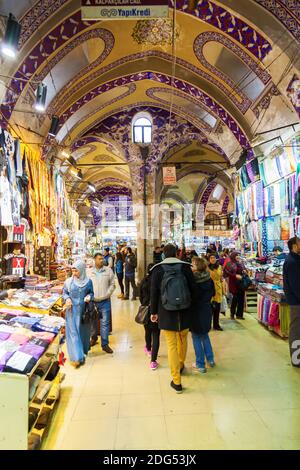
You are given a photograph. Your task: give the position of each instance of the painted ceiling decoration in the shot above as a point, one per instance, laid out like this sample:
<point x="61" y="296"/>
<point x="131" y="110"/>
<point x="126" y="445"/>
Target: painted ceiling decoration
<point x="118" y="127"/>
<point x="225" y="206"/>
<point x="67" y="92"/>
<point x="156" y="32"/>
<point x="128" y="67"/>
<point x="177" y="84"/>
<point x="62" y="33"/>
<point x="287" y="12"/>
<point x="207" y="37"/>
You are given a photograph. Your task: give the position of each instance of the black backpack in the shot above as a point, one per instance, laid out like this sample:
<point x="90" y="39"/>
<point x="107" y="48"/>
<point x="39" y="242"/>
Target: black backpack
<point x="175" y="292"/>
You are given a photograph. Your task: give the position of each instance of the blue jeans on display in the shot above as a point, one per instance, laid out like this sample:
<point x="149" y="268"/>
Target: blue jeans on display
<point x="104" y="307"/>
<point x="203" y="349"/>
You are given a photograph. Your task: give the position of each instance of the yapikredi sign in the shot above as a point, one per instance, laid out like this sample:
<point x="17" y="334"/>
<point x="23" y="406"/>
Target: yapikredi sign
<point x="123" y="9"/>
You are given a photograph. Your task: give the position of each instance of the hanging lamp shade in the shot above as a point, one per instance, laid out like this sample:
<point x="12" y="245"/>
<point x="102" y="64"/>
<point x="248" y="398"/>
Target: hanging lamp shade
<point x="9" y="46"/>
<point x="41" y="95"/>
<point x="54" y="126"/>
<point x="92" y="187"/>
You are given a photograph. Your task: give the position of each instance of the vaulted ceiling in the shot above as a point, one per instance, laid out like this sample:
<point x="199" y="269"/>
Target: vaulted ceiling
<point x="210" y="83"/>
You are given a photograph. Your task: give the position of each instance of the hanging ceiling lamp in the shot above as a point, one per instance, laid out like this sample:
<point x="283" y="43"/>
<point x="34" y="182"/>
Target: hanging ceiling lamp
<point x="9" y="46"/>
<point x="41" y="95"/>
<point x="92" y="187"/>
<point x="54" y="126"/>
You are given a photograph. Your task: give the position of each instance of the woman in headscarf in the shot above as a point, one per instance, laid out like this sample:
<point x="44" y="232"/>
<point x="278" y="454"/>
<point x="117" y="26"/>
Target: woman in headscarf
<point x="234" y="270"/>
<point x="77" y="290"/>
<point x="216" y="274"/>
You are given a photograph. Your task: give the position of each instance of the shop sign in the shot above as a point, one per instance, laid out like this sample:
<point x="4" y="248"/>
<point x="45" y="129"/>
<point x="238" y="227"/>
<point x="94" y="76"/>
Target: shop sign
<point x="169" y="175"/>
<point x="123" y="9"/>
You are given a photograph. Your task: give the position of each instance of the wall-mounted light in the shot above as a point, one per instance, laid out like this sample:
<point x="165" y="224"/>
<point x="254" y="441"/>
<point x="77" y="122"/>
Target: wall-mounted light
<point x="76" y="173"/>
<point x="41" y="95"/>
<point x="9" y="46"/>
<point x="92" y="187"/>
<point x="54" y="126"/>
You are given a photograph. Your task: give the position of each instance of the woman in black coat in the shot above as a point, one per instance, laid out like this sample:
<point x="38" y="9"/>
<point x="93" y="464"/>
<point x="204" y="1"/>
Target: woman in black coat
<point x="152" y="332"/>
<point x="202" y="315"/>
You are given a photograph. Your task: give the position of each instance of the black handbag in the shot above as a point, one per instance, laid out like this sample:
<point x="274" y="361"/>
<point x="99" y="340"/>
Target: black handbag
<point x="90" y="313"/>
<point x="245" y="282"/>
<point x="142" y="317"/>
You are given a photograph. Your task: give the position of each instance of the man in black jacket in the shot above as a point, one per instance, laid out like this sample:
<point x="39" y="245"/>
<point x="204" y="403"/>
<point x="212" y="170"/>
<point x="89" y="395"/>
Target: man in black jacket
<point x="130" y="267"/>
<point x="175" y="323"/>
<point x="291" y="285"/>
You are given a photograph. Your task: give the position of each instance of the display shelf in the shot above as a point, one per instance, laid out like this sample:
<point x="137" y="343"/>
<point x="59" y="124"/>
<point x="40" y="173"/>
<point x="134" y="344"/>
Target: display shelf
<point x="43" y="404"/>
<point x="15" y="403"/>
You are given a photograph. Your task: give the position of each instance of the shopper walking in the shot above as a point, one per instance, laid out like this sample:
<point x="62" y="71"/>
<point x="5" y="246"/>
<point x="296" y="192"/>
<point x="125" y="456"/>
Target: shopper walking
<point x="234" y="270"/>
<point x="152" y="332"/>
<point x="172" y="290"/>
<point x="202" y="315"/>
<point x="108" y="259"/>
<point x="291" y="286"/>
<point x="130" y="267"/>
<point x="120" y="272"/>
<point x="104" y="284"/>
<point x="216" y="274"/>
<point x="77" y="290"/>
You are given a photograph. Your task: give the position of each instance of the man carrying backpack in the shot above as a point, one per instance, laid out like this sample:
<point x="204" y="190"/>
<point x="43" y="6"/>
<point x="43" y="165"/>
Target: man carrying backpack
<point x="172" y="291"/>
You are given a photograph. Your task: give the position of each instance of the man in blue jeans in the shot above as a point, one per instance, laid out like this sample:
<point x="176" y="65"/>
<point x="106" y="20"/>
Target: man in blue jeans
<point x="104" y="284"/>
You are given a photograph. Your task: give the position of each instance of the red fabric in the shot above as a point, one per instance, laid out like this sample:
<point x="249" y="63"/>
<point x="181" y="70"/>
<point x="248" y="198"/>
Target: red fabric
<point x="232" y="270"/>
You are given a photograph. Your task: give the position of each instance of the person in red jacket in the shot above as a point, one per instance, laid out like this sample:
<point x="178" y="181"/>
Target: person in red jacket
<point x="234" y="270"/>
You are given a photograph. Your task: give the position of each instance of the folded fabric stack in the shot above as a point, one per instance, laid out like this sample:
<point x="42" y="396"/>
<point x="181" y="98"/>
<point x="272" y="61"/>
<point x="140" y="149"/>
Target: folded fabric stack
<point x="40" y="299"/>
<point x="25" y="338"/>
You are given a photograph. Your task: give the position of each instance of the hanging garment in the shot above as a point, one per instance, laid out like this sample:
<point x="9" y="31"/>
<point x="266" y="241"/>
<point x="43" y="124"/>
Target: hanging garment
<point x="262" y="173"/>
<point x="285" y="228"/>
<point x="18" y="159"/>
<point x="277" y="205"/>
<point x="5" y="202"/>
<point x="259" y="199"/>
<point x="10" y="150"/>
<point x="15" y="264"/>
<point x="42" y="259"/>
<point x="273" y="228"/>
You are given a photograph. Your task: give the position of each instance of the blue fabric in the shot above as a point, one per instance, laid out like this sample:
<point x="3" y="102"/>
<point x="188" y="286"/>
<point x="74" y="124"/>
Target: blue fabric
<point x="104" y="308"/>
<point x="119" y="267"/>
<point x="203" y="349"/>
<point x="77" y="335"/>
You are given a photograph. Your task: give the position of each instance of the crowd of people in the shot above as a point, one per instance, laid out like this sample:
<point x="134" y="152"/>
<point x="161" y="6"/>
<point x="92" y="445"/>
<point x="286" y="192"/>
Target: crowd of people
<point x="183" y="292"/>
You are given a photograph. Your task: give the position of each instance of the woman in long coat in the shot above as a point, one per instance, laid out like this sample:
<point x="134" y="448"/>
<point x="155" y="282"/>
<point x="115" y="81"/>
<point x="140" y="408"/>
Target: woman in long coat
<point x="77" y="290"/>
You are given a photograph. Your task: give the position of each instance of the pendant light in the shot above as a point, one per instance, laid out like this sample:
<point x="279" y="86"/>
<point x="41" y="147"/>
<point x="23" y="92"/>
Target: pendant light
<point x="54" y="126"/>
<point x="41" y="95"/>
<point x="92" y="187"/>
<point x="9" y="46"/>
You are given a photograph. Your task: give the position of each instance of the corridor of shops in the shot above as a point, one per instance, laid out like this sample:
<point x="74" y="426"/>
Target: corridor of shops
<point x="250" y="400"/>
<point x="149" y="202"/>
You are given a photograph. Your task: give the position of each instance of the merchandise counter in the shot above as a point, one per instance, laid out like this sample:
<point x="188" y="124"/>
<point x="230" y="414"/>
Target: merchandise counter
<point x="30" y="378"/>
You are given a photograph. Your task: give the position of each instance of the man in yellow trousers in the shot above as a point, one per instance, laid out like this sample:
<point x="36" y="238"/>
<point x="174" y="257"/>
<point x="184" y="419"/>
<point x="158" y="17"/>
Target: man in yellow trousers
<point x="172" y="290"/>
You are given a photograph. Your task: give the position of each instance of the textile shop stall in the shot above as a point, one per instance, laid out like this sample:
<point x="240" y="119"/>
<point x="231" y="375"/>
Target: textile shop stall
<point x="34" y="209"/>
<point x="268" y="214"/>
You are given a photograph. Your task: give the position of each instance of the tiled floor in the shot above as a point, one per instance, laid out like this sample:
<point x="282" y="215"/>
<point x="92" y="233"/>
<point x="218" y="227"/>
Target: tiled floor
<point x="251" y="400"/>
